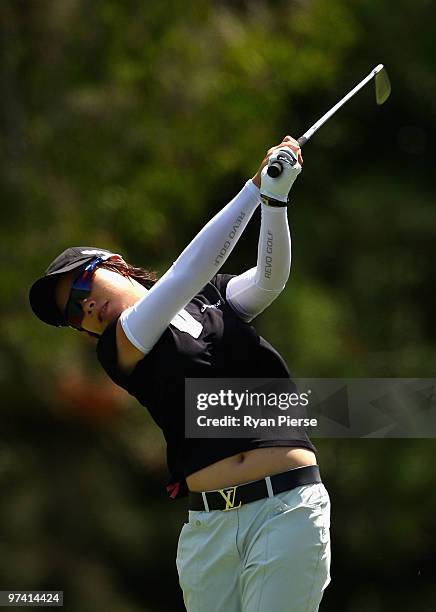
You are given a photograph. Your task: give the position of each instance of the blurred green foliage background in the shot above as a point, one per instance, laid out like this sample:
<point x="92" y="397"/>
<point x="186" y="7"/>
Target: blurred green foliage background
<point x="127" y="125"/>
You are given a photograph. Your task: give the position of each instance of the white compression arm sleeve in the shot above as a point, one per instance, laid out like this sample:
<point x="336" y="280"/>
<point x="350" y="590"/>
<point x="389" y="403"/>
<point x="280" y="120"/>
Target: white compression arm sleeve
<point x="145" y="321"/>
<point x="250" y="293"/>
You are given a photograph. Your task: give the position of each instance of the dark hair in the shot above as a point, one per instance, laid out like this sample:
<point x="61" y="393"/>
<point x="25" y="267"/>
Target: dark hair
<point x="142" y="276"/>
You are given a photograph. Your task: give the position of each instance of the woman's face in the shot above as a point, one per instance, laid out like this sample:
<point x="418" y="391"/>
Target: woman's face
<point x="111" y="293"/>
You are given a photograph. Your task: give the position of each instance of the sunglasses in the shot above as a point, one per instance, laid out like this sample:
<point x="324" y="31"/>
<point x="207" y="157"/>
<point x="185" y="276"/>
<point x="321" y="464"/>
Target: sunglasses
<point x="80" y="290"/>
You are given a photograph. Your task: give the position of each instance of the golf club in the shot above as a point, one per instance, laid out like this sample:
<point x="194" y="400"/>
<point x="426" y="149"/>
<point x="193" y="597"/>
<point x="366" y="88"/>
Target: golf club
<point x="382" y="92"/>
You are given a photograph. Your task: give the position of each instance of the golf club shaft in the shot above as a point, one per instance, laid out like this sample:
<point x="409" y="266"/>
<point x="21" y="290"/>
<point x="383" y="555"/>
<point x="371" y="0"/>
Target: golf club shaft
<point x="315" y="127"/>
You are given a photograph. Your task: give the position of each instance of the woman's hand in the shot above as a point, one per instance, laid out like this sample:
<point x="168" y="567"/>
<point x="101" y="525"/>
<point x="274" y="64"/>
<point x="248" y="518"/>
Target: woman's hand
<point x="288" y="141"/>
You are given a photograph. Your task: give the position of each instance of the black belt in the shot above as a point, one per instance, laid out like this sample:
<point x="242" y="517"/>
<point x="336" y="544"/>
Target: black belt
<point x="231" y="498"/>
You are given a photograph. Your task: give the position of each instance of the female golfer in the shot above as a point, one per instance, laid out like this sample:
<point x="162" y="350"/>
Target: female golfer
<point x="257" y="536"/>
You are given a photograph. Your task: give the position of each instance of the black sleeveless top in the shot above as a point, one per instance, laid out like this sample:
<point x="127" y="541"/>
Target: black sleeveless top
<point x="226" y="348"/>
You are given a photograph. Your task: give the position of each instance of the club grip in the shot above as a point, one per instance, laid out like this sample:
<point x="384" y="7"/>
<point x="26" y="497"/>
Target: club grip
<point x="275" y="169"/>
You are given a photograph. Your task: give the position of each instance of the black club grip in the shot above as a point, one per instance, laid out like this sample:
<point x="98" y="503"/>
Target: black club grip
<point x="275" y="169"/>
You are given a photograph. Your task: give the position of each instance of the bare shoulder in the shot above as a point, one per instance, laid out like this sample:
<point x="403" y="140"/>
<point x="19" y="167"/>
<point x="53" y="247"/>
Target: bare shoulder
<point x="128" y="354"/>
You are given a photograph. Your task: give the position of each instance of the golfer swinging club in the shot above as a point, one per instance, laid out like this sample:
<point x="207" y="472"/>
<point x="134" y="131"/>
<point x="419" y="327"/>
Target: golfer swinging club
<point x="268" y="548"/>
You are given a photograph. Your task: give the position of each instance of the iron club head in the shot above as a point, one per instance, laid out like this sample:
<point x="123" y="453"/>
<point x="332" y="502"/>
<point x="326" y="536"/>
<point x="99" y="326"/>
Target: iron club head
<point x="382" y="84"/>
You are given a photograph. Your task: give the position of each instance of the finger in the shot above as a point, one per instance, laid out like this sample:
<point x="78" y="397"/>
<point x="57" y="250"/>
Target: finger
<point x="292" y="144"/>
<point x="289" y="140"/>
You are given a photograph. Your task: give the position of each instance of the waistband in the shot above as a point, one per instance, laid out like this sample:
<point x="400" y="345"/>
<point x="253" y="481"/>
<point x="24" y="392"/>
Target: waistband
<point x="231" y="498"/>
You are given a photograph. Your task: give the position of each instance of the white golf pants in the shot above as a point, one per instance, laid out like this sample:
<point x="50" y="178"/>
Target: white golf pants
<point x="271" y="555"/>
